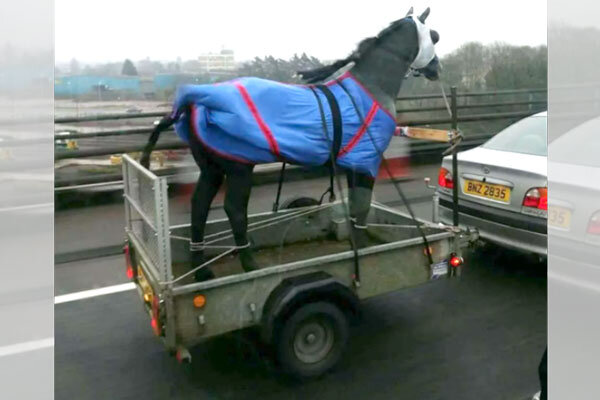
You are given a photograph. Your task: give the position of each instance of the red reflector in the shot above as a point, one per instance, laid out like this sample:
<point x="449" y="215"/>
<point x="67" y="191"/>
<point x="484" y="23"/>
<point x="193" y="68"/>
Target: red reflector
<point x="155" y="327"/>
<point x="456" y="261"/>
<point x="129" y="272"/>
<point x="445" y="179"/>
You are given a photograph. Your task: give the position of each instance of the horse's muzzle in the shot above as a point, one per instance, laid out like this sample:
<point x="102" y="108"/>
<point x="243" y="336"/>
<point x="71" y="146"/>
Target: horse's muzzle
<point x="432" y="70"/>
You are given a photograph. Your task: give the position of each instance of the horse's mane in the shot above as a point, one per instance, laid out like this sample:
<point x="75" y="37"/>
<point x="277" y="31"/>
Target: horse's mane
<point x="364" y="47"/>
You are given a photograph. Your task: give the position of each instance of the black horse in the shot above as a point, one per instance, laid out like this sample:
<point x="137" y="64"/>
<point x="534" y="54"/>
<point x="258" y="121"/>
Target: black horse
<point x="380" y="64"/>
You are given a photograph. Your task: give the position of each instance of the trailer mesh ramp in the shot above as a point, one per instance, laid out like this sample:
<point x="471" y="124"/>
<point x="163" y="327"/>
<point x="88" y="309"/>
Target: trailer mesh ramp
<point x="147" y="215"/>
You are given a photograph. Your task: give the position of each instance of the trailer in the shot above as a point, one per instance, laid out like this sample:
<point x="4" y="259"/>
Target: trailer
<point x="309" y="287"/>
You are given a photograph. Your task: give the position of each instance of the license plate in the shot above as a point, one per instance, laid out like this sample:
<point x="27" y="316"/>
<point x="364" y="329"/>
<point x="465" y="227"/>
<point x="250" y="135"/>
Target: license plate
<point x="438" y="270"/>
<point x="559" y="217"/>
<point x="487" y="190"/>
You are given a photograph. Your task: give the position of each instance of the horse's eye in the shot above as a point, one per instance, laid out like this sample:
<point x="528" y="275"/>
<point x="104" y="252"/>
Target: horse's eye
<point x="435" y="37"/>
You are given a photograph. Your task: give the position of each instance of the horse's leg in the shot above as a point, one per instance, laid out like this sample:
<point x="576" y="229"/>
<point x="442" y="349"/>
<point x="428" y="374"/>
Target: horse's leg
<point x="360" y="191"/>
<point x="207" y="187"/>
<point x="239" y="185"/>
<point x="211" y="179"/>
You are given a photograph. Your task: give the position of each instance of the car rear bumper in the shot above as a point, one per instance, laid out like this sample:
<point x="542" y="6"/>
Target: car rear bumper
<point x="518" y="232"/>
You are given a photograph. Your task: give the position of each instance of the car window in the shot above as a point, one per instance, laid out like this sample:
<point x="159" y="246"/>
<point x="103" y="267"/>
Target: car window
<point x="528" y="136"/>
<point x="584" y="140"/>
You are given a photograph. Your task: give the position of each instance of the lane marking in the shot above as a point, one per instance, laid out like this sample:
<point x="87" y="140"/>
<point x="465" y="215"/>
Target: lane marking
<point x="86" y="294"/>
<point x="573" y="281"/>
<point x="25" y="347"/>
<point x="27" y="207"/>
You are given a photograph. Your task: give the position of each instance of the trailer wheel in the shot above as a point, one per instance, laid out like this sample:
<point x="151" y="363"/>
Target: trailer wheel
<point x="312" y="339"/>
<point x="297" y="202"/>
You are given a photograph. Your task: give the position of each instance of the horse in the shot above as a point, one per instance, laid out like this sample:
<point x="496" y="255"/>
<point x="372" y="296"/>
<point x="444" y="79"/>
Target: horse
<point x="347" y="123"/>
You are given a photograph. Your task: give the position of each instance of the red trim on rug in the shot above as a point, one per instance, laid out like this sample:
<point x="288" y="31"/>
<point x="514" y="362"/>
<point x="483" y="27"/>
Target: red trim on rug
<point x="261" y="123"/>
<point x="349" y="75"/>
<point x="193" y="119"/>
<point x="361" y="131"/>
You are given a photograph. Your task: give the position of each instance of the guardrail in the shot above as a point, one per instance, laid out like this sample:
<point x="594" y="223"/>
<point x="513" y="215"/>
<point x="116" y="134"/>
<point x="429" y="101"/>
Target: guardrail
<point x="532" y="105"/>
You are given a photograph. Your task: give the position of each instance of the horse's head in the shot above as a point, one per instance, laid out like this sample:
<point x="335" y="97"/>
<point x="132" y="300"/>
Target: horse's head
<point x="419" y="47"/>
<point x="406" y="40"/>
<point x="426" y="62"/>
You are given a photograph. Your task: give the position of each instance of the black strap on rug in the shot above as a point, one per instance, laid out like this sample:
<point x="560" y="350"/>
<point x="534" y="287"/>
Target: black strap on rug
<point x="336" y="118"/>
<point x="332" y="156"/>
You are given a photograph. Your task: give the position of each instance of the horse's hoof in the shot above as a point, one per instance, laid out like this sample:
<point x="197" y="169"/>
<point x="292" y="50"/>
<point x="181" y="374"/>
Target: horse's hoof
<point x="203" y="274"/>
<point x="249" y="264"/>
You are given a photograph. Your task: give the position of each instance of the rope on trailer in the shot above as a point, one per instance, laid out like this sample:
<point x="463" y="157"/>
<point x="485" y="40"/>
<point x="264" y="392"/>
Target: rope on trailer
<point x="231" y="250"/>
<point x="277" y="219"/>
<point x="394" y="226"/>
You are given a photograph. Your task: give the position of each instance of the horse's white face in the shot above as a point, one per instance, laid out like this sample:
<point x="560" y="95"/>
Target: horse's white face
<point x="426" y="61"/>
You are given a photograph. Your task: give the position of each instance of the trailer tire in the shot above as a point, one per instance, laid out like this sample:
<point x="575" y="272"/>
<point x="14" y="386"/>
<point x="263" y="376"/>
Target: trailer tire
<point x="312" y="339"/>
<point x="298" y="202"/>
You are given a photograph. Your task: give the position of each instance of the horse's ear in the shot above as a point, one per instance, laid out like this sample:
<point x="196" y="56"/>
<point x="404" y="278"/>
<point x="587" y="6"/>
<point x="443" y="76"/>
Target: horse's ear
<point x="409" y="13"/>
<point x="424" y="16"/>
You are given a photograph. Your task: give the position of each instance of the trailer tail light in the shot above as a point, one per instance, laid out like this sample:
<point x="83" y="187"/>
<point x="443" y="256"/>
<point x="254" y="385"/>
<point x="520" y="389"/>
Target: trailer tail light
<point x="536" y="198"/>
<point x="445" y="178"/>
<point x="128" y="263"/>
<point x="594" y="224"/>
<point x="456" y="261"/>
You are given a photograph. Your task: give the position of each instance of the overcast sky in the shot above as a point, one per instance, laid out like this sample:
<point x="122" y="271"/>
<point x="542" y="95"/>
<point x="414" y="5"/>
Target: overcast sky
<point x="112" y="30"/>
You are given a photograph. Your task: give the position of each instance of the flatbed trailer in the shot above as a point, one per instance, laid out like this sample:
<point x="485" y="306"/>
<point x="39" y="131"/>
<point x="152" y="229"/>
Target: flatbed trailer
<point x="308" y="288"/>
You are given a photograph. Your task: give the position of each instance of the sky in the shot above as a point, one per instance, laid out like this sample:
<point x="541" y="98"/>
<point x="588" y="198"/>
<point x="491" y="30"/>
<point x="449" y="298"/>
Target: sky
<point x="96" y="31"/>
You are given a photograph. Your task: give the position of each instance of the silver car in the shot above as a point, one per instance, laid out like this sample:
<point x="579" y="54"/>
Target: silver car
<point x="503" y="187"/>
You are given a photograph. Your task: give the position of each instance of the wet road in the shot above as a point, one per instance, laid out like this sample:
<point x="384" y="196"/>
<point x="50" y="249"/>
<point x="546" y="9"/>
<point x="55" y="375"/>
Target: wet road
<point x="480" y="337"/>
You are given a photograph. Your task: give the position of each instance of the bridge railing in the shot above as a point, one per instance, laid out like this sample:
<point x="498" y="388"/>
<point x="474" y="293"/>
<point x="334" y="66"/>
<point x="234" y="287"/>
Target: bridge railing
<point x="416" y="110"/>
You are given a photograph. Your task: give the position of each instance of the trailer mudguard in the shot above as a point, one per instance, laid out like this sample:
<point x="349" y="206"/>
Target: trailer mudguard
<point x="296" y="291"/>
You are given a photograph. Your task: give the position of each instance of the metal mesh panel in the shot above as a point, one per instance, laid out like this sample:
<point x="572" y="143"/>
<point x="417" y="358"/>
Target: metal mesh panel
<point x="141" y="190"/>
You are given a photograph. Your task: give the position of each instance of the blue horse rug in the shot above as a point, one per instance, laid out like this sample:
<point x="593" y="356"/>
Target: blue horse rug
<point x="256" y="121"/>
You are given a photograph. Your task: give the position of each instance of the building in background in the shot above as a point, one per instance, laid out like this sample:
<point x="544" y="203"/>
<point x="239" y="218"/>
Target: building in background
<point x="222" y="61"/>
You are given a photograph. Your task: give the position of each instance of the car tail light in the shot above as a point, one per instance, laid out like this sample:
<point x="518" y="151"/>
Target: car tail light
<point x="594" y="224"/>
<point x="445" y="179"/>
<point x="536" y="198"/>
<point x="128" y="262"/>
<point x="456" y="261"/>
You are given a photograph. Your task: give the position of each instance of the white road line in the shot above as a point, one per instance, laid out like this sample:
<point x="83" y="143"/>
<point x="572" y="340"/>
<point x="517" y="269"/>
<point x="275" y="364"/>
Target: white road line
<point x="86" y="294"/>
<point x="25" y="347"/>
<point x="27" y="207"/>
<point x="574" y="281"/>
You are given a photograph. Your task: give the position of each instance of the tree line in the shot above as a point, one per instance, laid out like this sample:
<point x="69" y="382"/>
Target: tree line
<point x="471" y="67"/>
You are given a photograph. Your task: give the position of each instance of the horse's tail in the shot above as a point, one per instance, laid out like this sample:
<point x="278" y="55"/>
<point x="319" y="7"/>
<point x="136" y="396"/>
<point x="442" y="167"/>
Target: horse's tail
<point x="162" y="125"/>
